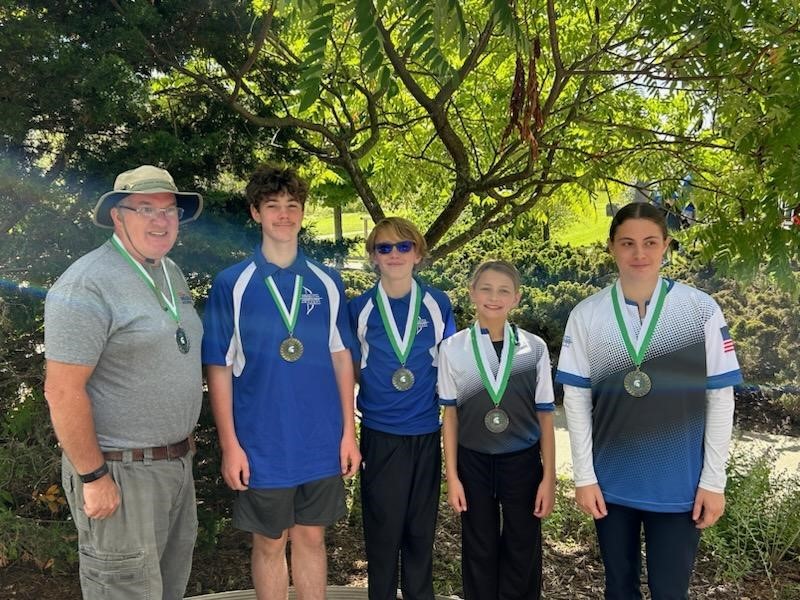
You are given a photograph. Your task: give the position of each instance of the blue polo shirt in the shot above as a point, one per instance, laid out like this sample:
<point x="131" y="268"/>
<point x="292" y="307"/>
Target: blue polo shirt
<point x="287" y="415"/>
<point x="414" y="411"/>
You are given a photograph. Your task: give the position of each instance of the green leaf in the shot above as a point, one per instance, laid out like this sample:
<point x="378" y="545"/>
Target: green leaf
<point x="371" y="53"/>
<point x="425" y="46"/>
<point x="368" y="37"/>
<point x="365" y="14"/>
<point x="385" y="78"/>
<point x="414" y="8"/>
<point x="309" y="93"/>
<point x="422" y="23"/>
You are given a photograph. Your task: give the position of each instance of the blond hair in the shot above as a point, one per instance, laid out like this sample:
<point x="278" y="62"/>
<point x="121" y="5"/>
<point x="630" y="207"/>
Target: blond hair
<point x="400" y="229"/>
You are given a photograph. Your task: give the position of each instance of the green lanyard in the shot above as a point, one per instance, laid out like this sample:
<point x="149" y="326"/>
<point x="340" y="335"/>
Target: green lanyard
<point x="289" y="316"/>
<point x="638" y="358"/>
<point x="401" y="346"/>
<point x="171" y="304"/>
<point x="496" y="386"/>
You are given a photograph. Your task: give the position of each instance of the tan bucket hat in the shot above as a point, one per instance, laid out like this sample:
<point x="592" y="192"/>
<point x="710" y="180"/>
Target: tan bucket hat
<point x="146" y="179"/>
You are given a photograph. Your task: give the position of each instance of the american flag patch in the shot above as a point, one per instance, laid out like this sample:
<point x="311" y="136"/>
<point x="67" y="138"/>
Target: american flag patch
<point x="727" y="342"/>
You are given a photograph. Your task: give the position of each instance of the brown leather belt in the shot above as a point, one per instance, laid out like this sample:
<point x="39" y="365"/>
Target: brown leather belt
<point x="168" y="452"/>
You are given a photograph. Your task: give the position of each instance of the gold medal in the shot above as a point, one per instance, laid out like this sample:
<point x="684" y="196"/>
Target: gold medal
<point x="291" y="349"/>
<point x="403" y="379"/>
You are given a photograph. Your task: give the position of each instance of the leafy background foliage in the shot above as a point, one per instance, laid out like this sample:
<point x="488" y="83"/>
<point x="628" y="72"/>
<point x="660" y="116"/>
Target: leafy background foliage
<point x="486" y="122"/>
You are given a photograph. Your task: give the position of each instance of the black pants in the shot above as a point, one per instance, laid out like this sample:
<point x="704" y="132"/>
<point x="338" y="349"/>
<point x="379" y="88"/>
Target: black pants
<point x="671" y="541"/>
<point x="400" y="482"/>
<point x="501" y="557"/>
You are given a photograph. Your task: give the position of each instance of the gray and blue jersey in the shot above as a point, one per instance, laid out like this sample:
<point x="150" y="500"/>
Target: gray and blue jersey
<point x="529" y="390"/>
<point x="648" y="452"/>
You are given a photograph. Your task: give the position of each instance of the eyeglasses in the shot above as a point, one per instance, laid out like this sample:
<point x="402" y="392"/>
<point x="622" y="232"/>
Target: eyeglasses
<point x="151" y="212"/>
<point x="402" y="247"/>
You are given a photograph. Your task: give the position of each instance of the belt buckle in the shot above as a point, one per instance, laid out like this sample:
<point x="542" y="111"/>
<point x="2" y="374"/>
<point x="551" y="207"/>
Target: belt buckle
<point x="168" y="449"/>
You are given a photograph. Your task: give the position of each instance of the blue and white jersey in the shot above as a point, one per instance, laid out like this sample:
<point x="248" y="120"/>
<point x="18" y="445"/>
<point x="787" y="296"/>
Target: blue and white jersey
<point x="414" y="411"/>
<point x="288" y="415"/>
<point x="648" y="451"/>
<point x="529" y="390"/>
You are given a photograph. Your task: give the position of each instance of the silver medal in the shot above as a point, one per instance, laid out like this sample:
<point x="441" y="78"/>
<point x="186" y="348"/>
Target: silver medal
<point x="182" y="340"/>
<point x="637" y="383"/>
<point x="496" y="420"/>
<point x="402" y="379"/>
<point x="291" y="349"/>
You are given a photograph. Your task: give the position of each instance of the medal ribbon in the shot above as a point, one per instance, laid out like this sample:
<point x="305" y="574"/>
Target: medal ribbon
<point x="289" y="316"/>
<point x="401" y="346"/>
<point x="638" y="357"/>
<point x="496" y="386"/>
<point x="171" y="304"/>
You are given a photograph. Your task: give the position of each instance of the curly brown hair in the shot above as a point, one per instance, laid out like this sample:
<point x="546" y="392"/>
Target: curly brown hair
<point x="269" y="180"/>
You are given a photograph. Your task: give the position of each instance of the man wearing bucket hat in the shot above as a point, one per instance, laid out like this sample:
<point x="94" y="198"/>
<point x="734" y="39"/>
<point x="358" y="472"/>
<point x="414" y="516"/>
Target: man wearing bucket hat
<point x="124" y="387"/>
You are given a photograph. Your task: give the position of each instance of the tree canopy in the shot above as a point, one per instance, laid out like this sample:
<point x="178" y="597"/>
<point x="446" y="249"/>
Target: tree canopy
<point x="472" y="115"/>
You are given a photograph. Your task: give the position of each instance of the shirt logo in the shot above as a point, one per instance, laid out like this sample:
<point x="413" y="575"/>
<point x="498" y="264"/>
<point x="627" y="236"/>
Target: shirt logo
<point x="422" y="323"/>
<point x="310" y="299"/>
<point x="566" y="342"/>
<point x="184" y="297"/>
<point x="727" y="342"/>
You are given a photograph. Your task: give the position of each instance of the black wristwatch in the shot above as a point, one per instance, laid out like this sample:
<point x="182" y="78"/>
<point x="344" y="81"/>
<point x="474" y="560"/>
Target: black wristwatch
<point x="94" y="475"/>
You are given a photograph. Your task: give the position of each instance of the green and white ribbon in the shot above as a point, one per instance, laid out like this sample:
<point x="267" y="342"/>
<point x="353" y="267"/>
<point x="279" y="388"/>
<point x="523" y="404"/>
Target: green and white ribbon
<point x="171" y="303"/>
<point x="494" y="384"/>
<point x="289" y="316"/>
<point x="638" y="357"/>
<point x="400" y="345"/>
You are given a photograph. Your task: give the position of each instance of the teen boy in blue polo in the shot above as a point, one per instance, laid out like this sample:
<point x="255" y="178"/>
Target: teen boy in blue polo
<point x="280" y="377"/>
<point x="399" y="324"/>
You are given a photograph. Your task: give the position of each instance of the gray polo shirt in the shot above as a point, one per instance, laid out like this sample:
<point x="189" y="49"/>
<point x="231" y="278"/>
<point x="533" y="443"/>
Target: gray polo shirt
<point x="101" y="313"/>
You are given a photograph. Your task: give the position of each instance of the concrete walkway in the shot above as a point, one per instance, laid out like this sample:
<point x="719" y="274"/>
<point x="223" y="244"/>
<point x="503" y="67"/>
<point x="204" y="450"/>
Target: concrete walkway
<point x="787" y="448"/>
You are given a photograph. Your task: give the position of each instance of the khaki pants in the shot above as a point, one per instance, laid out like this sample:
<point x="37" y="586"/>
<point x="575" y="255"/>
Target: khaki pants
<point x="144" y="550"/>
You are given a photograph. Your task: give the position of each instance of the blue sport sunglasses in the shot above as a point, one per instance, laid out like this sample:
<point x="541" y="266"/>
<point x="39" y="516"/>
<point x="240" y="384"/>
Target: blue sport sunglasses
<point x="402" y="247"/>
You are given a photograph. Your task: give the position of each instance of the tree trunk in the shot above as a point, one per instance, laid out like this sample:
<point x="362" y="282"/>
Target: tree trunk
<point x="337" y="232"/>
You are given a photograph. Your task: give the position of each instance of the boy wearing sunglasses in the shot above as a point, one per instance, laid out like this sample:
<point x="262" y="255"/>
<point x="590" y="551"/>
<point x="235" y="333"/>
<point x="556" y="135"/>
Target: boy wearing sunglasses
<point x="399" y="324"/>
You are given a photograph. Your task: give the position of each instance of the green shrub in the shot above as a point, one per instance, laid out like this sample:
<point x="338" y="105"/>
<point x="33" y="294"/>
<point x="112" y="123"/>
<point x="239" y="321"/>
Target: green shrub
<point x="791" y="404"/>
<point x="48" y="544"/>
<point x="761" y="524"/>
<point x="357" y="282"/>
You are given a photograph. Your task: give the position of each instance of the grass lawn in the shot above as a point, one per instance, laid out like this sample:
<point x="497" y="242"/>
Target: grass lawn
<point x="322" y="220"/>
<point x="587" y="229"/>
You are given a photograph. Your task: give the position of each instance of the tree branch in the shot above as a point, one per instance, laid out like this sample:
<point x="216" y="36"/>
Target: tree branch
<point x="266" y="25"/>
